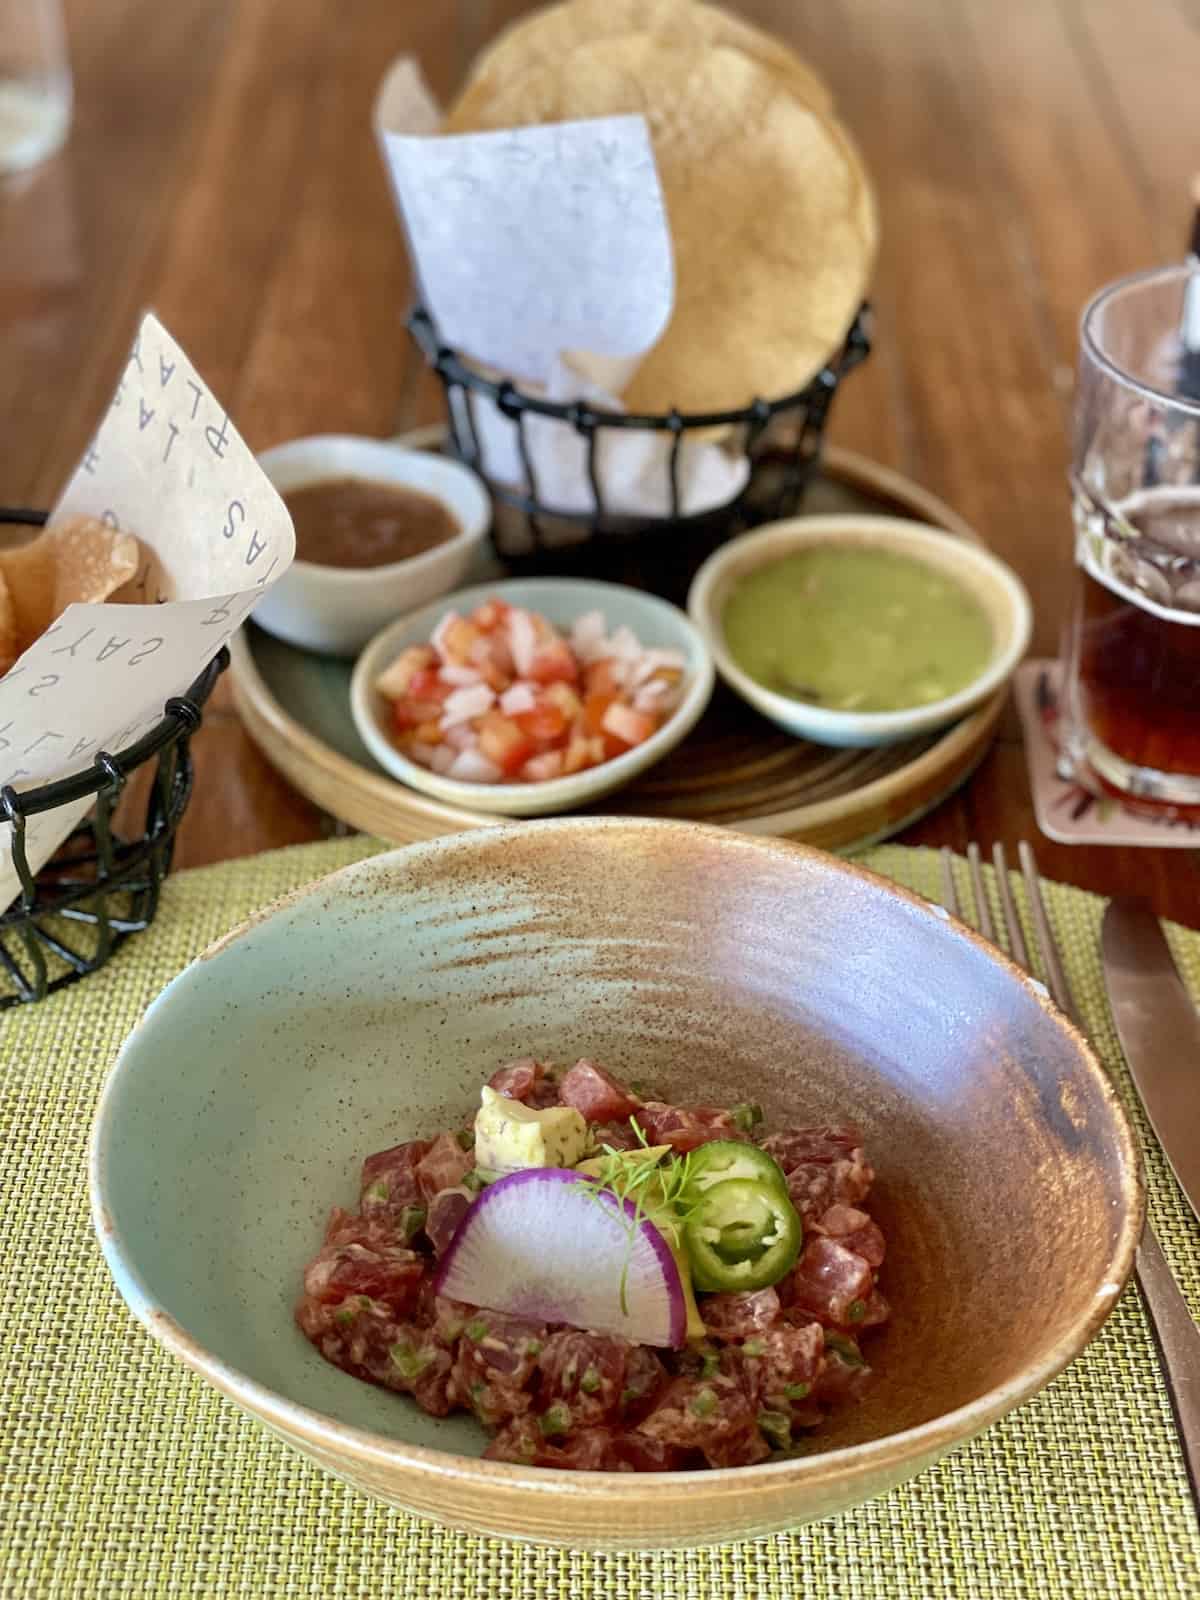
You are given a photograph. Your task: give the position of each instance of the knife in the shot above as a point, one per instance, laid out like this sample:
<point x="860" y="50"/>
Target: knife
<point x="1159" y="1030"/>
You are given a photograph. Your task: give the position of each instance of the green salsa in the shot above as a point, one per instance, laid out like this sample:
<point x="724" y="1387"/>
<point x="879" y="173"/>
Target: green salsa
<point x="856" y="628"/>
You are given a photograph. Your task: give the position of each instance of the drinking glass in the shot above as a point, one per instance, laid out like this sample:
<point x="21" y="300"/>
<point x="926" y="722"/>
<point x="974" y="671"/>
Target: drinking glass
<point x="35" y="83"/>
<point x="1131" y="653"/>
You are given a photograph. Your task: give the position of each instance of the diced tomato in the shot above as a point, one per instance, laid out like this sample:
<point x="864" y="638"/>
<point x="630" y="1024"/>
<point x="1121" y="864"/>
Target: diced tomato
<point x="623" y="722"/>
<point x="408" y="714"/>
<point x="545" y="723"/>
<point x="396" y="680"/>
<point x="564" y="697"/>
<point x="500" y="654"/>
<point x="542" y="768"/>
<point x="490" y="615"/>
<point x="458" y="638"/>
<point x="429" y="684"/>
<point x="595" y="709"/>
<point x="554" y="663"/>
<point x="575" y="755"/>
<point x="503" y="743"/>
<point x="601" y="678"/>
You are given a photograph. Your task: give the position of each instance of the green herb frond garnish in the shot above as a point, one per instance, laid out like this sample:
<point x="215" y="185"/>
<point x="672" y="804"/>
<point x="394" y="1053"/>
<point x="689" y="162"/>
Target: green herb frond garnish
<point x="657" y="1189"/>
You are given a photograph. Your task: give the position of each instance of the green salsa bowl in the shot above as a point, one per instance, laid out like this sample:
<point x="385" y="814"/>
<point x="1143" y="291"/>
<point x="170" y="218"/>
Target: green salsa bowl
<point x="859" y="630"/>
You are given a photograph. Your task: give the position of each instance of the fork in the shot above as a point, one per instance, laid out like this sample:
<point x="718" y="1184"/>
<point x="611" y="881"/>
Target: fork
<point x="1176" y="1336"/>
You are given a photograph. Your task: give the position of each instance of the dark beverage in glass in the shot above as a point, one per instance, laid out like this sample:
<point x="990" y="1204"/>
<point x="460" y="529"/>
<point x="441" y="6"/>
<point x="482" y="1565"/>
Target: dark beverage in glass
<point x="1132" y="653"/>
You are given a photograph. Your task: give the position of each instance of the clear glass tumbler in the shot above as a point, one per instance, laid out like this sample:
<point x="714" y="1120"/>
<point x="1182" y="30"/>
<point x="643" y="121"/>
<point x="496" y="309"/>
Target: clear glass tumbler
<point x="1132" y="645"/>
<point x="35" y="83"/>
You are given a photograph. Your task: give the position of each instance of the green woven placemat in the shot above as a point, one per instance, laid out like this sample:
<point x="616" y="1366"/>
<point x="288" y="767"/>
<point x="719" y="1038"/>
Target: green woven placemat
<point x="123" y="1475"/>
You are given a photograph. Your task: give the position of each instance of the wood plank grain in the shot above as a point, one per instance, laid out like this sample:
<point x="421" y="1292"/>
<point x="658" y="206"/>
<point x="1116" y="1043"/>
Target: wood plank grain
<point x="1142" y="65"/>
<point x="77" y="236"/>
<point x="1070" y="178"/>
<point x="330" y="351"/>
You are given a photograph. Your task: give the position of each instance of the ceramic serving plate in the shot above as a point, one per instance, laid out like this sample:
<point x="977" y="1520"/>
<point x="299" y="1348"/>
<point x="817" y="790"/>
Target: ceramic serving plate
<point x="367" y="1008"/>
<point x="735" y="767"/>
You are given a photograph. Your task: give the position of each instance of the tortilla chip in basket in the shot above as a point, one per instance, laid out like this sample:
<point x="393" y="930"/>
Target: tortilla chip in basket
<point x="80" y="559"/>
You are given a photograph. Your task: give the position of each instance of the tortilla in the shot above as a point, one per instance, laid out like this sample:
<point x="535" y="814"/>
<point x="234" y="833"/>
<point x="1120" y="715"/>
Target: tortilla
<point x="771" y="216"/>
<point x="552" y="32"/>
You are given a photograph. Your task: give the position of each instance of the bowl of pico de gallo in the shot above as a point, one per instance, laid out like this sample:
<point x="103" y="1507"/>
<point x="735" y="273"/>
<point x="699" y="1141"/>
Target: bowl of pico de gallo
<point x="530" y="697"/>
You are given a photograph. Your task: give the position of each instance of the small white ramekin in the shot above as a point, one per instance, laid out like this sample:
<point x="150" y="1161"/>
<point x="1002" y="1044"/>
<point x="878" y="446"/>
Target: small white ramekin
<point x="337" y="609"/>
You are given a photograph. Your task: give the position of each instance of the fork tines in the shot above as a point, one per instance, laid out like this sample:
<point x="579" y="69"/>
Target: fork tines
<point x="1047" y="946"/>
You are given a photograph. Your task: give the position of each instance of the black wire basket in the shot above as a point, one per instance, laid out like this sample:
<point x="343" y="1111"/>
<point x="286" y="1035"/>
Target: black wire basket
<point x="99" y="887"/>
<point x="780" y="439"/>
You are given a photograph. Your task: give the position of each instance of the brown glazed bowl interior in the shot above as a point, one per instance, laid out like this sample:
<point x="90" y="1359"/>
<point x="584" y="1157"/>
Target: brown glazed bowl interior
<point x="369" y="1007"/>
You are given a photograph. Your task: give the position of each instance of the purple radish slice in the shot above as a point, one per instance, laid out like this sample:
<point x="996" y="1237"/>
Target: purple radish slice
<point x="550" y="1246"/>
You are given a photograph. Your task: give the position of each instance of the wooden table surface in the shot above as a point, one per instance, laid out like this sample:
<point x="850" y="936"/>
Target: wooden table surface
<point x="221" y="169"/>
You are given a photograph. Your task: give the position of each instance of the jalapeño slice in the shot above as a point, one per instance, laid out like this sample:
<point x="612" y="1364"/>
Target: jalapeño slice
<point x="723" y="1159"/>
<point x="741" y="1235"/>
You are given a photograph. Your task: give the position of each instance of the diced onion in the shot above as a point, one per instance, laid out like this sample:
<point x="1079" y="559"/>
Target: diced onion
<point x="465" y="704"/>
<point x="522" y="640"/>
<point x="588" y="636"/>
<point x="460" y="677"/>
<point x="520" y="697"/>
<point x="652" y="661"/>
<point x="624" y="644"/>
<point x="473" y="767"/>
<point x="438" y="637"/>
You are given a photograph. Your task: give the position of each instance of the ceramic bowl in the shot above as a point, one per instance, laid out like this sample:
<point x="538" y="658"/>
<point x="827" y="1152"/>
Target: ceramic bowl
<point x="994" y="585"/>
<point x="563" y="600"/>
<point x="367" y="1009"/>
<point x="335" y="610"/>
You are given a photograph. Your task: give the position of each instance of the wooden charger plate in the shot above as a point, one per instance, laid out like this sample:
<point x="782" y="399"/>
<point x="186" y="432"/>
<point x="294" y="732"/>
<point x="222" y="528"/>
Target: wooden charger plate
<point x="734" y="768"/>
